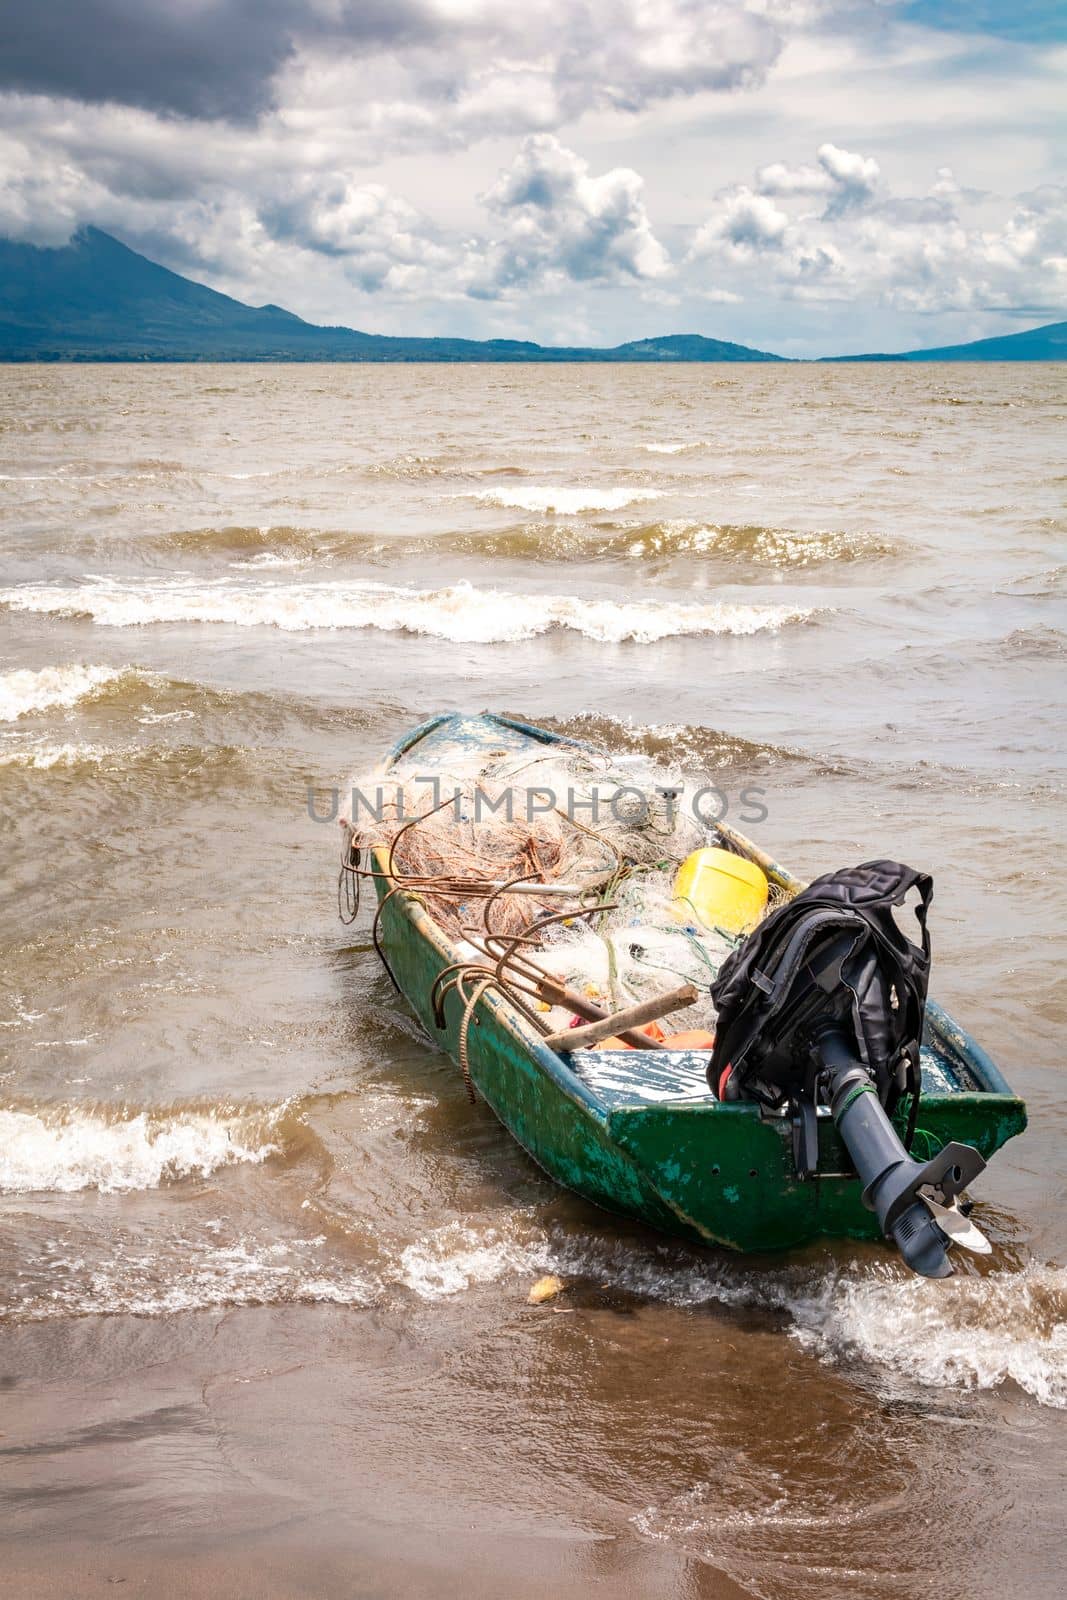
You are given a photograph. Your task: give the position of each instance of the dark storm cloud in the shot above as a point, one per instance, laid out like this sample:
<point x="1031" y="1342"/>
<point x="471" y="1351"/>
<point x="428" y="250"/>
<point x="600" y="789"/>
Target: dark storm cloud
<point x="220" y="58"/>
<point x="197" y="58"/>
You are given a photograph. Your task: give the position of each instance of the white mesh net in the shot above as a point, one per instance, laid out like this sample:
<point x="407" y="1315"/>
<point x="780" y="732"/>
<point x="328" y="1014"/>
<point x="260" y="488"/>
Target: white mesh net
<point x="608" y="829"/>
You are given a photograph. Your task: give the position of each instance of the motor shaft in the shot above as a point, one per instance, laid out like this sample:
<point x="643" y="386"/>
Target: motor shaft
<point x="892" y="1181"/>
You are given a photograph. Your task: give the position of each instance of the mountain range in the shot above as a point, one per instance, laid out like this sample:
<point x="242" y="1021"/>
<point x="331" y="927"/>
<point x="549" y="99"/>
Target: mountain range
<point x="95" y="299"/>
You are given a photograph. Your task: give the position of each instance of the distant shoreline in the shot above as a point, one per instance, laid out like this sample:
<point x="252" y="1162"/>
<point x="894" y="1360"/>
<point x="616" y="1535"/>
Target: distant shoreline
<point x="96" y="300"/>
<point x="545" y="359"/>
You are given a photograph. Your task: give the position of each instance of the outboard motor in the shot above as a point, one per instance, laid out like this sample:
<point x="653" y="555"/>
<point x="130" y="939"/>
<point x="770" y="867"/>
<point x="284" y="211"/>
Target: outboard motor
<point x="824" y="1005"/>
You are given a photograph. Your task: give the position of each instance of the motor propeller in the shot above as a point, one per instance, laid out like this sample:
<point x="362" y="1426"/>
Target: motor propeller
<point x="915" y="1202"/>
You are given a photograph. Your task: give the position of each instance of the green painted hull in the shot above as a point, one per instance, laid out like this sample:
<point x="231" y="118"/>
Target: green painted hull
<point x="716" y="1172"/>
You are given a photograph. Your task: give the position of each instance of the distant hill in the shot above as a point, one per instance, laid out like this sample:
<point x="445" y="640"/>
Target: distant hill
<point x="96" y="300"/>
<point x="1034" y="344"/>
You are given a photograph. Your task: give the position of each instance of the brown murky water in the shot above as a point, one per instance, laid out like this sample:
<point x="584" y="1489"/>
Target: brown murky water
<point x="262" y="1269"/>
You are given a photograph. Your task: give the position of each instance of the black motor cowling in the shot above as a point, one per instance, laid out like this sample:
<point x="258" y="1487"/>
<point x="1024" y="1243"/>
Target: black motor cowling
<point x="824" y="1004"/>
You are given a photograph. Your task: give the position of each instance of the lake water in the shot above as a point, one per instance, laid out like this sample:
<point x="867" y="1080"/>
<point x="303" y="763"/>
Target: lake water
<point x="262" y="1268"/>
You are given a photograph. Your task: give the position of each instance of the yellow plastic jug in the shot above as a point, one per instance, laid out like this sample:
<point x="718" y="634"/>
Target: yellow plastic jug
<point x="720" y="890"/>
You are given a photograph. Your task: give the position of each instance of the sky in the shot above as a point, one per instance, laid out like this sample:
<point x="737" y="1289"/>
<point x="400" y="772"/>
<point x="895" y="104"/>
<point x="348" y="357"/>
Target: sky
<point x="805" y="176"/>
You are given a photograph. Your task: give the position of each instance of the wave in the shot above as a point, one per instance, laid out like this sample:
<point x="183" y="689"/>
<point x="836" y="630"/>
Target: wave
<point x="897" y="1333"/>
<point x="765" y="546"/>
<point x="102" y="476"/>
<point x="258" y="548"/>
<point x="1038" y="643"/>
<point x="229" y="724"/>
<point x="268" y="559"/>
<point x="972" y="1332"/>
<point x="184" y="1272"/>
<point x="265" y="539"/>
<point x="456" y="1257"/>
<point x="564" y="502"/>
<point x="969" y="1333"/>
<point x="178" y="761"/>
<point x="673" y="743"/>
<point x="787" y="549"/>
<point x="62" y="1149"/>
<point x="409" y="467"/>
<point x="651" y="542"/>
<point x="1051" y="583"/>
<point x="460" y="613"/>
<point x="24" y="691"/>
<point x="691" y="748"/>
<point x="1041" y="642"/>
<point x="41" y="755"/>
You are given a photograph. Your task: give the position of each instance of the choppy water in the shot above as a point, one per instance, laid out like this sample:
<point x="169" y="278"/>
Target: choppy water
<point x="262" y="1268"/>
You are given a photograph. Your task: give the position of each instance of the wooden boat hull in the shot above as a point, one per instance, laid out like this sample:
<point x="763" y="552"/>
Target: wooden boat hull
<point x="721" y="1173"/>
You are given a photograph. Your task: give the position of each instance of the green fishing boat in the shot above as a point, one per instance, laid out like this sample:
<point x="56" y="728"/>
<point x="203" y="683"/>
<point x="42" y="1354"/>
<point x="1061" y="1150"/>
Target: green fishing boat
<point x="639" y="1131"/>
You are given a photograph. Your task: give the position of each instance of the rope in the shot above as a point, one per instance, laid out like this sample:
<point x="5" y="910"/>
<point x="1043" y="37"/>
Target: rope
<point x="435" y="869"/>
<point x="464" y="1030"/>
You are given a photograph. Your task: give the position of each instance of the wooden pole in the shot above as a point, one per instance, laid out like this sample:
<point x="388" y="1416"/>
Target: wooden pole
<point x="623" y="1021"/>
<point x="554" y="993"/>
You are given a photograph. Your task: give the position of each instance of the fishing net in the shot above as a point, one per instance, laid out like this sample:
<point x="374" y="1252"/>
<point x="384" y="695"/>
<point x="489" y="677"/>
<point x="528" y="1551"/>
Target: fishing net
<point x="499" y="819"/>
<point x="595" y="843"/>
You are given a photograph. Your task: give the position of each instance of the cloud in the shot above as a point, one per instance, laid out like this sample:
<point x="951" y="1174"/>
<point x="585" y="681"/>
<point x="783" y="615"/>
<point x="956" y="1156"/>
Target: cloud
<point x="211" y="59"/>
<point x="741" y="225"/>
<point x="382" y="240"/>
<point x="943" y="264"/>
<point x="209" y="210"/>
<point x="746" y="230"/>
<point x="846" y="179"/>
<point x="196" y="58"/>
<point x="42" y="199"/>
<point x="556" y="221"/>
<point x="853" y="178"/>
<point x="628" y="53"/>
<point x="780" y="179"/>
<point x="338" y="156"/>
<point x="481" y="59"/>
<point x="910" y="252"/>
<point x="476" y="69"/>
<point x="159" y="118"/>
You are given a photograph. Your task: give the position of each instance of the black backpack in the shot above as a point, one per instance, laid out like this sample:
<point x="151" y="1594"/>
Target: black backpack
<point x="836" y="945"/>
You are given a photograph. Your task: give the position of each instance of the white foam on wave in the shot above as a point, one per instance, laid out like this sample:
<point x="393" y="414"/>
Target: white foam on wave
<point x="266" y="560"/>
<point x="25" y="691"/>
<point x="563" y="501"/>
<point x="243" y="1274"/>
<point x="968" y="1332"/>
<point x="675" y="449"/>
<point x="66" y="1149"/>
<point x="184" y="1274"/>
<point x="42" y="755"/>
<point x="460" y="613"/>
<point x="456" y="1257"/>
